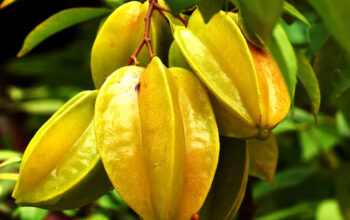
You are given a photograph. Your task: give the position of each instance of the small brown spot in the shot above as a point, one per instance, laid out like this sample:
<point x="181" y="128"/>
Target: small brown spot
<point x="111" y="45"/>
<point x="137" y="88"/>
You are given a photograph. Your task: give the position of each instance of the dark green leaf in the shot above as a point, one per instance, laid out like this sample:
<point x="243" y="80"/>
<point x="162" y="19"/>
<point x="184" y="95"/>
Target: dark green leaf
<point x="177" y="5"/>
<point x="293" y="212"/>
<point x="343" y="105"/>
<point x="263" y="157"/>
<point x="332" y="70"/>
<point x="284" y="54"/>
<point x="336" y="16"/>
<point x="59" y="22"/>
<point x="308" y="78"/>
<point x="342" y="186"/>
<point x="228" y="188"/>
<point x="283" y="180"/>
<point x="260" y="16"/>
<point x="318" y="34"/>
<point x="291" y="10"/>
<point x="115" y="3"/>
<point x="209" y="7"/>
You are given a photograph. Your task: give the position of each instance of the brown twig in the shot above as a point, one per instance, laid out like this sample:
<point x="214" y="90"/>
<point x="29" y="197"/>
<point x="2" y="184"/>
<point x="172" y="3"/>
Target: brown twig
<point x="146" y="39"/>
<point x="153" y="4"/>
<point x="190" y="9"/>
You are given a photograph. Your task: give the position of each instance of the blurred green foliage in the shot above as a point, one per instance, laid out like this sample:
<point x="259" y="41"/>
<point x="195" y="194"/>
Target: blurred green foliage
<point x="312" y="180"/>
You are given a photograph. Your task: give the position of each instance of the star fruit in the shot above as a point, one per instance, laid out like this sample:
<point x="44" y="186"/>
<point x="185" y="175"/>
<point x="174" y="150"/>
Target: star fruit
<point x="158" y="139"/>
<point x="120" y="35"/>
<point x="61" y="168"/>
<point x="248" y="92"/>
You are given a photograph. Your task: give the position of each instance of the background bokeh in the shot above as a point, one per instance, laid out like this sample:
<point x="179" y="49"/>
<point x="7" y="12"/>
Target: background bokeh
<point x="312" y="179"/>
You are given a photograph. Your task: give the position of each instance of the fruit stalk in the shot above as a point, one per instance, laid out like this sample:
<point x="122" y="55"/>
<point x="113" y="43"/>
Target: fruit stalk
<point x="146" y="40"/>
<point x="153" y="4"/>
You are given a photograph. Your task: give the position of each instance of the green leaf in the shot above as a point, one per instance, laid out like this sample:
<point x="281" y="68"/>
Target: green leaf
<point x="228" y="188"/>
<point x="115" y="3"/>
<point x="260" y="16"/>
<point x="7" y="154"/>
<point x="9" y="176"/>
<point x="286" y="179"/>
<point x="293" y="212"/>
<point x="329" y="209"/>
<point x="332" y="70"/>
<point x="284" y="54"/>
<point x="177" y="5"/>
<point x="10" y="161"/>
<point x="59" y="22"/>
<point x="308" y="78"/>
<point x="40" y="106"/>
<point x="291" y="10"/>
<point x="209" y="7"/>
<point x="343" y="104"/>
<point x="336" y="16"/>
<point x="112" y="201"/>
<point x="285" y="126"/>
<point x="317" y="140"/>
<point x="99" y="216"/>
<point x="342" y="125"/>
<point x="30" y="213"/>
<point x="263" y="157"/>
<point x="298" y="33"/>
<point x="342" y="186"/>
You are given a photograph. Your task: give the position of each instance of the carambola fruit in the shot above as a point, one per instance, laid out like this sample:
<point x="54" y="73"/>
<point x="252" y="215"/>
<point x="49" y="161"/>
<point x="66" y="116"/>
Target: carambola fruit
<point x="248" y="92"/>
<point x="120" y="35"/>
<point x="158" y="139"/>
<point x="61" y="167"/>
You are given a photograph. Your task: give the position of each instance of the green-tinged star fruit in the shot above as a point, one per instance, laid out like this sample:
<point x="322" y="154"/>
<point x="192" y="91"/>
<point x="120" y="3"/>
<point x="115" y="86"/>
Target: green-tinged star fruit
<point x="61" y="167"/>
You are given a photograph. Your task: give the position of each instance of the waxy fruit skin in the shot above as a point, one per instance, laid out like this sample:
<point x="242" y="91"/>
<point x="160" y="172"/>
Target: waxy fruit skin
<point x="120" y="35"/>
<point x="158" y="139"/>
<point x="61" y="167"/>
<point x="248" y="92"/>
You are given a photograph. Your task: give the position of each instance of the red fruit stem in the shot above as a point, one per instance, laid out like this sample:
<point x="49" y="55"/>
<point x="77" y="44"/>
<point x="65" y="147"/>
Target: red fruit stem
<point x="153" y="4"/>
<point x="146" y="40"/>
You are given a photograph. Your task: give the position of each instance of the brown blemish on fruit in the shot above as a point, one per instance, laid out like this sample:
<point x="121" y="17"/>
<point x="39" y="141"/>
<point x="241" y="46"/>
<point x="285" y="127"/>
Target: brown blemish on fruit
<point x="137" y="88"/>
